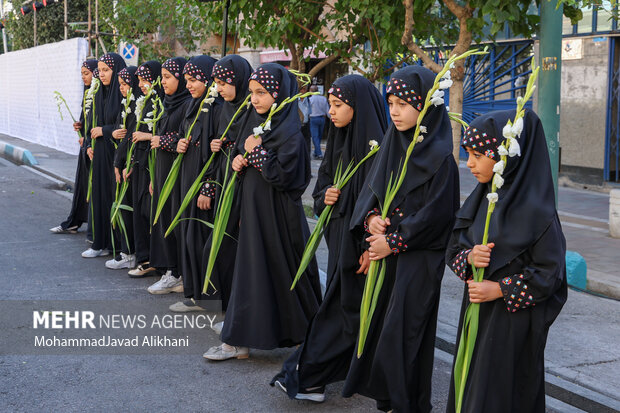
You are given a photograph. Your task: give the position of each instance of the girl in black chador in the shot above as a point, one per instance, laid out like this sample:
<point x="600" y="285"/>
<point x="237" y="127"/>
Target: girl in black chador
<point x="103" y="123"/>
<point x="262" y="312"/>
<point x="191" y="234"/>
<point x="524" y="286"/>
<point x="396" y="365"/>
<point x="147" y="74"/>
<point x="164" y="250"/>
<point x="79" y="207"/>
<point x="358" y="118"/>
<point x="232" y="76"/>
<point x="128" y="82"/>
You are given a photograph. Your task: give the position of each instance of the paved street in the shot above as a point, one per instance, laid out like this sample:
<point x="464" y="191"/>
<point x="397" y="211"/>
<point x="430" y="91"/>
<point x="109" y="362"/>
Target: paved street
<point x="38" y="265"/>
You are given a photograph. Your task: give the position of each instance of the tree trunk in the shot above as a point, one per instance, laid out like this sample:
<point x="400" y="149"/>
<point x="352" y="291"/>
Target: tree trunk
<point x="456" y="106"/>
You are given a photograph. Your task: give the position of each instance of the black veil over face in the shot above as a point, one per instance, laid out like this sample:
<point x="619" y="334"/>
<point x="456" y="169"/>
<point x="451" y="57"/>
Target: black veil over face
<point x="414" y="83"/>
<point x="351" y="142"/>
<point x="526" y="204"/>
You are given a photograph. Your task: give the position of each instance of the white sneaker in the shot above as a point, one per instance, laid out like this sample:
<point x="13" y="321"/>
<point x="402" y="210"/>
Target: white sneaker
<point x="225" y="352"/>
<point x="167" y="284"/>
<point x="61" y="230"/>
<point x="315" y="394"/>
<point x="217" y="327"/>
<point x="91" y="253"/>
<point x="185" y="306"/>
<point x="126" y="261"/>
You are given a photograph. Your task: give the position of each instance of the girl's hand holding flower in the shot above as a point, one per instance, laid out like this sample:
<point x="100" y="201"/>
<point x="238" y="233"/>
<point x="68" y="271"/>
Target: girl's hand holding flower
<point x="77" y="126"/>
<point x="81" y="140"/>
<point x="379" y="247"/>
<point x="480" y="255"/>
<point x="119" y="133"/>
<point x="96" y="132"/>
<point x="155" y="142"/>
<point x="182" y="146"/>
<point x="141" y="136"/>
<point x="331" y="195"/>
<point x="117" y="175"/>
<point x="239" y="163"/>
<point x="216" y="145"/>
<point x="377" y="226"/>
<point x="90" y="153"/>
<point x="251" y="142"/>
<point x="487" y="290"/>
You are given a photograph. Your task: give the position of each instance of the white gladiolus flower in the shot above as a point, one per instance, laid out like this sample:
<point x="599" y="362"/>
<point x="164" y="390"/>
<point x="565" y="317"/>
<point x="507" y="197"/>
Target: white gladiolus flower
<point x="492" y="197"/>
<point x="502" y="150"/>
<point x="210" y="100"/>
<point x="445" y="84"/>
<point x="123" y="102"/>
<point x="452" y="65"/>
<point x="498" y="180"/>
<point x="514" y="148"/>
<point x="447" y="75"/>
<point x="128" y="110"/>
<point x="124" y="115"/>
<point x="420" y="138"/>
<point x="213" y="90"/>
<point x="205" y="110"/>
<point x="267" y="125"/>
<point x="507" y="131"/>
<point x="148" y="115"/>
<point x="437" y="98"/>
<point x="422" y="129"/>
<point x="498" y="168"/>
<point x="258" y="131"/>
<point x="517" y="128"/>
<point x="150" y="126"/>
<point x="373" y="144"/>
<point x="132" y="97"/>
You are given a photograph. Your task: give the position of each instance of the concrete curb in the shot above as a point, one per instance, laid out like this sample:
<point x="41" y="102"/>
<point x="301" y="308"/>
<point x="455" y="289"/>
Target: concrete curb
<point x="17" y="154"/>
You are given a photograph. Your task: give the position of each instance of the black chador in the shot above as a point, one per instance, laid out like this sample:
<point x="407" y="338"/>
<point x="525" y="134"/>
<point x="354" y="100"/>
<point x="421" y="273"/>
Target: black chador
<point x="79" y="206"/>
<point x="326" y="353"/>
<point x="164" y="250"/>
<point x="140" y="178"/>
<point x="191" y="234"/>
<point x="233" y="70"/>
<point x="107" y="109"/>
<point x="396" y="366"/>
<point x="528" y="261"/>
<point x="128" y="75"/>
<point x="263" y="313"/>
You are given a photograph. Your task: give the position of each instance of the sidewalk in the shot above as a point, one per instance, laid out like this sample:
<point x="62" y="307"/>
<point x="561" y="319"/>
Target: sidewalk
<point x="581" y="356"/>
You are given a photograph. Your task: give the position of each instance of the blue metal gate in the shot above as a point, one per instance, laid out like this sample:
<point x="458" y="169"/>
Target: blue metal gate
<point x="612" y="132"/>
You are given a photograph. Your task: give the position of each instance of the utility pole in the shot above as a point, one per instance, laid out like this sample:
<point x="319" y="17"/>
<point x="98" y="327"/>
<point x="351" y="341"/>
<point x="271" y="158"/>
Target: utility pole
<point x="66" y="24"/>
<point x="6" y="50"/>
<point x="549" y="81"/>
<point x="225" y="30"/>
<point x="90" y="26"/>
<point x="97" y="28"/>
<point x="35" y="25"/>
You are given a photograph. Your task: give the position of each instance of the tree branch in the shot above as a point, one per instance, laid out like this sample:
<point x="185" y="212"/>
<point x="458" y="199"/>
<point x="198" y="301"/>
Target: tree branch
<point x="322" y="64"/>
<point x="407" y="39"/>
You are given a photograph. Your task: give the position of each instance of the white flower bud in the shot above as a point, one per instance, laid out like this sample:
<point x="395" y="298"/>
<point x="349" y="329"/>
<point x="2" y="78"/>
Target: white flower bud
<point x="445" y="84"/>
<point x="267" y="125"/>
<point x="373" y="144"/>
<point x="507" y="131"/>
<point x="517" y="128"/>
<point x="258" y="131"/>
<point x="514" y="148"/>
<point x="420" y="138"/>
<point x="492" y="197"/>
<point x="498" y="180"/>
<point x="422" y="129"/>
<point x="502" y="150"/>
<point x="498" y="168"/>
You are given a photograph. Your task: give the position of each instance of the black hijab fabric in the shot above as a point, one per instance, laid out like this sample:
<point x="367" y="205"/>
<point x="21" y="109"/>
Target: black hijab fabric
<point x="426" y="158"/>
<point x="172" y="102"/>
<point x="90" y="64"/>
<point x="238" y="72"/>
<point x="199" y="67"/>
<point x="527" y="181"/>
<point x="108" y="98"/>
<point x="283" y="122"/>
<point x="351" y="142"/>
<point x="151" y="71"/>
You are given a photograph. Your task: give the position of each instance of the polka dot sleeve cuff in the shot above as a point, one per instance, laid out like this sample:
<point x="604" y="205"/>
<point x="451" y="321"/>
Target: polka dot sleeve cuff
<point x="257" y="157"/>
<point x="396" y="242"/>
<point x="375" y="211"/>
<point x="516" y="293"/>
<point x="168" y="142"/>
<point x="208" y="189"/>
<point x="461" y="267"/>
